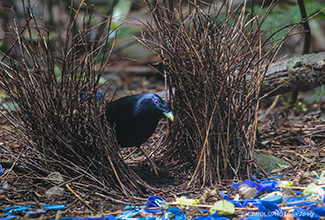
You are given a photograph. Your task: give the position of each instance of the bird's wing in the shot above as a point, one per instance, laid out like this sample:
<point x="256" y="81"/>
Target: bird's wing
<point x="119" y="110"/>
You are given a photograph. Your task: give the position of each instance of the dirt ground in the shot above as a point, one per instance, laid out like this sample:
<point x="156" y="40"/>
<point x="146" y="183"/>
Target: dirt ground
<point x="294" y="133"/>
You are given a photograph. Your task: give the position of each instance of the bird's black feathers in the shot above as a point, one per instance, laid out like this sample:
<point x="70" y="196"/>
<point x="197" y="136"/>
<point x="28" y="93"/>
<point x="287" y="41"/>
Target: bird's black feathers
<point x="136" y="117"/>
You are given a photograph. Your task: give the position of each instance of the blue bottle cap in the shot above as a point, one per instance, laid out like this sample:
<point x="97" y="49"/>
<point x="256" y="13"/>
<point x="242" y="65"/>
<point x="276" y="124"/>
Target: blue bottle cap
<point x="276" y="198"/>
<point x="154" y="201"/>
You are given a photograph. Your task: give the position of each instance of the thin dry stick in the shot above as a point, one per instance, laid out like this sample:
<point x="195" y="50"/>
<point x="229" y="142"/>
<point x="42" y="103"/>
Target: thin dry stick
<point x="13" y="165"/>
<point x="114" y="200"/>
<point x="203" y="149"/>
<point x="85" y="202"/>
<point x="117" y="176"/>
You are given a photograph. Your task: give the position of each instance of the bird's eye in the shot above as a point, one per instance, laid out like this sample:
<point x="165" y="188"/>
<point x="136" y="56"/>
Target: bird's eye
<point x="156" y="102"/>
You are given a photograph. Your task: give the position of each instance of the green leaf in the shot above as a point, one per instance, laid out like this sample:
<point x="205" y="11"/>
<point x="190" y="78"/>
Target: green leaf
<point x="223" y="206"/>
<point x="10" y="105"/>
<point x="313" y="189"/>
<point x="121" y="10"/>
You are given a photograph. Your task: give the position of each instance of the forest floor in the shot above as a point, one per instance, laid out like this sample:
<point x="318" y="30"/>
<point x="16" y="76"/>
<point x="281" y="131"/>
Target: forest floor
<point x="294" y="133"/>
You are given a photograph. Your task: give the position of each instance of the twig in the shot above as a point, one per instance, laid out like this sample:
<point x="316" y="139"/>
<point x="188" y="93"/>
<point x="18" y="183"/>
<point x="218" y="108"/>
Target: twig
<point x="110" y="198"/>
<point x="305" y="21"/>
<point x="85" y="202"/>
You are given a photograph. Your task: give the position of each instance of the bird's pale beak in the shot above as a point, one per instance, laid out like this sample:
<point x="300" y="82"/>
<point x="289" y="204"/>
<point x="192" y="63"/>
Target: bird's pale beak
<point x="169" y="115"/>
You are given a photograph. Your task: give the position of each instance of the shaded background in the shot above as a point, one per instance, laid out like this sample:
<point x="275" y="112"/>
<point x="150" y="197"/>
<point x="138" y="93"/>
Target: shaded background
<point x="133" y="66"/>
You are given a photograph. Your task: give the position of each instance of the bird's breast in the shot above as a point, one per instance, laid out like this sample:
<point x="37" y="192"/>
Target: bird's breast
<point x="135" y="132"/>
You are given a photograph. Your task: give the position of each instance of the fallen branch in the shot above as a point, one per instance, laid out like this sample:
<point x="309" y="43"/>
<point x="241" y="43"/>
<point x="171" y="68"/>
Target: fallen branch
<point x="301" y="73"/>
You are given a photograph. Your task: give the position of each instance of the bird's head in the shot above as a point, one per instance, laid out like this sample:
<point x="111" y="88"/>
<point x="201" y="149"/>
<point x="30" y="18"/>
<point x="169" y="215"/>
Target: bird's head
<point x="151" y="102"/>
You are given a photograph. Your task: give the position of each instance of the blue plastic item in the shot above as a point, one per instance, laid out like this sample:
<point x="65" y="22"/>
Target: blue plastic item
<point x="63" y="218"/>
<point x="99" y="94"/>
<point x="129" y="207"/>
<point x="214" y="216"/>
<point x="270" y="218"/>
<point x="134" y="207"/>
<point x="55" y="207"/>
<point x="13" y="210"/>
<point x="304" y="214"/>
<point x="319" y="210"/>
<point x="299" y="201"/>
<point x="254" y="185"/>
<point x="128" y="214"/>
<point x="85" y="96"/>
<point x="109" y="217"/>
<point x="0" y="170"/>
<point x="254" y="202"/>
<point x="253" y="217"/>
<point x="243" y="203"/>
<point x="211" y="218"/>
<point x="8" y="217"/>
<point x="296" y="201"/>
<point x="270" y="210"/>
<point x="257" y="217"/>
<point x="236" y="185"/>
<point x="263" y="186"/>
<point x="224" y="196"/>
<point x="269" y="185"/>
<point x="145" y="218"/>
<point x="273" y="198"/>
<point x="273" y="182"/>
<point x="236" y="203"/>
<point x="12" y="207"/>
<point x="174" y="214"/>
<point x="154" y="201"/>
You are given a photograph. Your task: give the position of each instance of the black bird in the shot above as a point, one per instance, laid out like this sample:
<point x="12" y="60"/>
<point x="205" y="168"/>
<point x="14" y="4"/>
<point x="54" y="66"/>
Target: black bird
<point x="136" y="117"/>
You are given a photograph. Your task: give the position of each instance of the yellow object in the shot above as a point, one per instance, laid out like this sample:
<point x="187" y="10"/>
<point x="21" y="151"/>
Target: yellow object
<point x="185" y="201"/>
